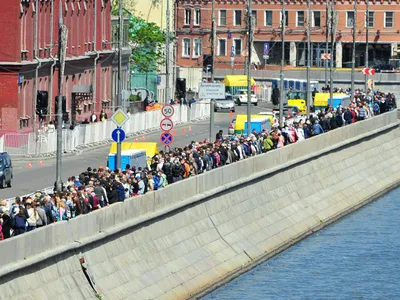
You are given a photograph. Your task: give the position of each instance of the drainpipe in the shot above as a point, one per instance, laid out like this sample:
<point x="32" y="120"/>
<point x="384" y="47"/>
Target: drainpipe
<point x="53" y="58"/>
<point x="96" y="58"/>
<point x="39" y="64"/>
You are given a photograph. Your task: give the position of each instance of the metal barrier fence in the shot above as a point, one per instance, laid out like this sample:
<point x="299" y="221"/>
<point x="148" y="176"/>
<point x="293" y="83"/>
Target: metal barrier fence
<point x="96" y="133"/>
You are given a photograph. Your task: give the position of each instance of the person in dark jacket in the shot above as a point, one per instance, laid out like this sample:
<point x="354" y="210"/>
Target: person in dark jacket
<point x="121" y="192"/>
<point x="114" y="196"/>
<point x="7" y="225"/>
<point x="347" y="116"/>
<point x="20" y="222"/>
<point x="339" y="119"/>
<point x="333" y="123"/>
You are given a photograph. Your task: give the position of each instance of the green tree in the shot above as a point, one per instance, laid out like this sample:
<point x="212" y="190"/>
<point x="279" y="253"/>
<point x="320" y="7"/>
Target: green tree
<point x="147" y="41"/>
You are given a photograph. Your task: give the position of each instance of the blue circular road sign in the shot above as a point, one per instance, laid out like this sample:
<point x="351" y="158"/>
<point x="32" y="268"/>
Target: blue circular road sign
<point x="118" y="135"/>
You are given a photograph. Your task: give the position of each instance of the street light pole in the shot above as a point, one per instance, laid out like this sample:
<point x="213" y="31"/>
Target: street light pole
<point x="353" y="58"/>
<point x="213" y="37"/>
<point x="167" y="46"/>
<point x="308" y="100"/>
<point x="62" y="47"/>
<point x="366" y="43"/>
<point x="281" y="86"/>
<point x="249" y="50"/>
<point x="120" y="38"/>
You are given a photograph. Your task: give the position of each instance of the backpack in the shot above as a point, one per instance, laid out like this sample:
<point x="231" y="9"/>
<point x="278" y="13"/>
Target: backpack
<point x="14" y="210"/>
<point x="361" y="112"/>
<point x="177" y="171"/>
<point x="19" y="222"/>
<point x="376" y="108"/>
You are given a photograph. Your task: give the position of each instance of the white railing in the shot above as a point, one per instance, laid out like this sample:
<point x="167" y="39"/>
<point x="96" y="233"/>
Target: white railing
<point x="96" y="133"/>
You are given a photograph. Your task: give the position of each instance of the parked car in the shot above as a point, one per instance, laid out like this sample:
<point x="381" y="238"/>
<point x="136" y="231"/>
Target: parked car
<point x="6" y="170"/>
<point x="231" y="127"/>
<point x="226" y="104"/>
<point x="241" y="98"/>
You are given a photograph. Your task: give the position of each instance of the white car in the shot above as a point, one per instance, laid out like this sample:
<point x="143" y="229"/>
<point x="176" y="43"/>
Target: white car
<point x="241" y="97"/>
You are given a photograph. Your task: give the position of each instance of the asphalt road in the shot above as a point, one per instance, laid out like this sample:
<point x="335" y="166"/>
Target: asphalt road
<point x="28" y="180"/>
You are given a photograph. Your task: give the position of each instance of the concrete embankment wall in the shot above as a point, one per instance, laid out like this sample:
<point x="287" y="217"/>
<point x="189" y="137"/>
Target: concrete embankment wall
<point x="177" y="242"/>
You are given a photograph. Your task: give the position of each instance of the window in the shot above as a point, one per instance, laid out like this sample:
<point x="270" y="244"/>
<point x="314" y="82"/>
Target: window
<point x="371" y="19"/>
<point x="188" y="16"/>
<point x="349" y="19"/>
<point x="300" y="19"/>
<point x="389" y="19"/>
<point x="197" y="47"/>
<point x="316" y="19"/>
<point x="222" y="17"/>
<point x="197" y="17"/>
<point x="237" y="44"/>
<point x="286" y="19"/>
<point x="221" y="47"/>
<point x="268" y="18"/>
<point x="254" y="15"/>
<point x="237" y="21"/>
<point x="186" y="47"/>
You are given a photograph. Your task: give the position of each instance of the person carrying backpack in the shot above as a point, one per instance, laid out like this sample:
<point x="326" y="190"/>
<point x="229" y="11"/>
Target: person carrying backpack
<point x="20" y="222"/>
<point x="376" y="108"/>
<point x="362" y="114"/>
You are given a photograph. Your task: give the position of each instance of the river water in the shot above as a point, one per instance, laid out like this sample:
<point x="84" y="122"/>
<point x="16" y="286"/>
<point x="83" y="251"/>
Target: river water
<point x="355" y="258"/>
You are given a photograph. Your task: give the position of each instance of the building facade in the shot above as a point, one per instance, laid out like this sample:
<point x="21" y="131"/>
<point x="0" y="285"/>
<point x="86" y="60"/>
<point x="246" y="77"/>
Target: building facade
<point x="193" y="29"/>
<point x="28" y="61"/>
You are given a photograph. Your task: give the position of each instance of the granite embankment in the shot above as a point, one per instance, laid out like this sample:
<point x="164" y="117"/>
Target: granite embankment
<point x="186" y="238"/>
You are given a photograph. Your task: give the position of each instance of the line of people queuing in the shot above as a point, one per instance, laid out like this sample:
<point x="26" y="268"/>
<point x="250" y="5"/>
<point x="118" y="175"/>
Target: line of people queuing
<point x="98" y="188"/>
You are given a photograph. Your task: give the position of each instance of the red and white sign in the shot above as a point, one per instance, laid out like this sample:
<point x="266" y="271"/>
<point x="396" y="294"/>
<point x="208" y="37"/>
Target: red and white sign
<point x="166" y="124"/>
<point x="325" y="56"/>
<point x="368" y="71"/>
<point x="167" y="111"/>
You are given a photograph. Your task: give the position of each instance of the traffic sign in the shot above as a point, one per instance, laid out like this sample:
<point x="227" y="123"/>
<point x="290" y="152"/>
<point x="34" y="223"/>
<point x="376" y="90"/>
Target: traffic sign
<point x="166" y="124"/>
<point x="265" y="57"/>
<point x="266" y="49"/>
<point x="167" y="138"/>
<point x="325" y="56"/>
<point x="212" y="91"/>
<point x="119" y="117"/>
<point x="232" y="51"/>
<point x="368" y="71"/>
<point x="118" y="135"/>
<point x="167" y="111"/>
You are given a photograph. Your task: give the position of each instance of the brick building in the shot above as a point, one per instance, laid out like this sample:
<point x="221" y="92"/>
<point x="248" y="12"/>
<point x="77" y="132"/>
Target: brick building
<point x="193" y="29"/>
<point x="28" y="51"/>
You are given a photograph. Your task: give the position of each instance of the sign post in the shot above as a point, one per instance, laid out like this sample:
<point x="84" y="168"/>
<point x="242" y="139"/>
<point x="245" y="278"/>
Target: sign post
<point x="118" y="135"/>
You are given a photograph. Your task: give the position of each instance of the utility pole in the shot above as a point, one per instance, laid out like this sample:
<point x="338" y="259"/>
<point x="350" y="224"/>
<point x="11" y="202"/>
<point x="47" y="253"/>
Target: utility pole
<point x="120" y="38"/>
<point x="249" y="50"/>
<point x="167" y="55"/>
<point x="353" y="57"/>
<point x="333" y="33"/>
<point x="366" y="43"/>
<point x="282" y="96"/>
<point x="213" y="37"/>
<point x="62" y="49"/>
<point x="327" y="26"/>
<point x="308" y="100"/>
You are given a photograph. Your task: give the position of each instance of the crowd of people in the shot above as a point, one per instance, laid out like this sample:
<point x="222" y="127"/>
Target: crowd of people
<point x="98" y="188"/>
